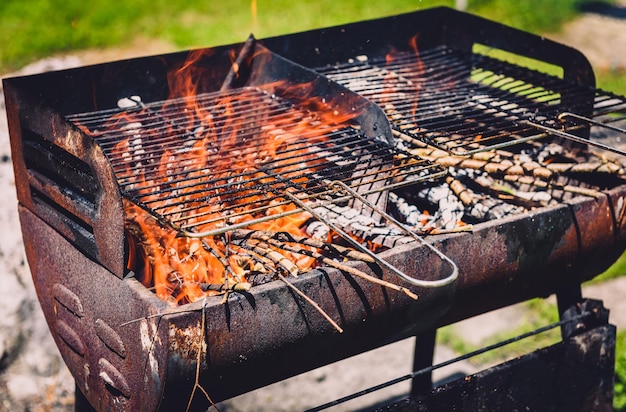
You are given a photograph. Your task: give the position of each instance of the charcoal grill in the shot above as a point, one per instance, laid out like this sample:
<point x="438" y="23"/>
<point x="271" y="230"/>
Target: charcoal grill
<point x="127" y="349"/>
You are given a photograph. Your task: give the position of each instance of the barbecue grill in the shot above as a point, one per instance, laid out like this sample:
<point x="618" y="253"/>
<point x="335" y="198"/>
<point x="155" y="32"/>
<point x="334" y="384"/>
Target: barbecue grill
<point x="358" y="116"/>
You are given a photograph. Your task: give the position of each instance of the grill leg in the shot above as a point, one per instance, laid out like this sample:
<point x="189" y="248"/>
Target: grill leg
<point x="423" y="358"/>
<point x="566" y="298"/>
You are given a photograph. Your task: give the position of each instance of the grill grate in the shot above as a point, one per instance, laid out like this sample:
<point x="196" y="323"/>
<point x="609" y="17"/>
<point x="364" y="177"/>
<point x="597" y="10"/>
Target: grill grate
<point x="212" y="161"/>
<point x="468" y="103"/>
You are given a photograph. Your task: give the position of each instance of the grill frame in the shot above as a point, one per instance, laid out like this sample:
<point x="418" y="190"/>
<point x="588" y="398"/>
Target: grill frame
<point x="547" y="250"/>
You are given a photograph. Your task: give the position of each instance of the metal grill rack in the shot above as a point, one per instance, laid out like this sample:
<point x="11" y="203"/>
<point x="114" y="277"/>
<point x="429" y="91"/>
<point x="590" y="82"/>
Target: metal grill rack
<point x="221" y="167"/>
<point x="466" y="104"/>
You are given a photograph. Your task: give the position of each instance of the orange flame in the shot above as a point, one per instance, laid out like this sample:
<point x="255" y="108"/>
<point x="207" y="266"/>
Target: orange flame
<point x="176" y="266"/>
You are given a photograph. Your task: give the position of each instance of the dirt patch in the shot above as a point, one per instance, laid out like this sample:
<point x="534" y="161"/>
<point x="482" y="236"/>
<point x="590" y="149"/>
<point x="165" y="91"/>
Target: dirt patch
<point x="601" y="38"/>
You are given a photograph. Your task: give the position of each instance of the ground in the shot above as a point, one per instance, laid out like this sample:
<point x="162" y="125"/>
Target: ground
<point x="33" y="377"/>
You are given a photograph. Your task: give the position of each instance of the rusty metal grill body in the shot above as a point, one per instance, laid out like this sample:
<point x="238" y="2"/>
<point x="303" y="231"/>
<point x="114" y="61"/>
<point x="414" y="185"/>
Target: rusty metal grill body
<point x="129" y="350"/>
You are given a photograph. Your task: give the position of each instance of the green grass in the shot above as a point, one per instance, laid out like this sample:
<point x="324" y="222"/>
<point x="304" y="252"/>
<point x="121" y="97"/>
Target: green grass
<point x="619" y="400"/>
<point x="537" y="16"/>
<point x="33" y="29"/>
<point x="36" y="28"/>
<point x="537" y="313"/>
<point x="612" y="80"/>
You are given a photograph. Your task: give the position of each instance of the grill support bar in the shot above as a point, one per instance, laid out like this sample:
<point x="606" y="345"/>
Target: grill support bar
<point x="590" y="345"/>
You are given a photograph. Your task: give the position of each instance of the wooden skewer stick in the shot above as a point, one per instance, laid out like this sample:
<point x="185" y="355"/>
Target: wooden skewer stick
<point x="234" y="287"/>
<point x="510" y="196"/>
<point x="303" y="240"/>
<point x="586" y="167"/>
<point x="460" y="191"/>
<point x="265" y="250"/>
<point x="311" y="302"/>
<point x="344" y="268"/>
<point x="369" y="278"/>
<point x="484" y="163"/>
<point x="566" y="188"/>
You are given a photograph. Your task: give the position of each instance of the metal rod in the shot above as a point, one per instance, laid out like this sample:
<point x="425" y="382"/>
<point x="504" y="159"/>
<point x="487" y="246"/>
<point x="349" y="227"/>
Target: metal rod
<point x="417" y="282"/>
<point x="573" y="137"/>
<point x="591" y="121"/>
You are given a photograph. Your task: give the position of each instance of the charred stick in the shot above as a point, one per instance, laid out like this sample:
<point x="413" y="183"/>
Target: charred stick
<point x="303" y="240"/>
<point x="311" y="302"/>
<point x="459" y="229"/>
<point x="408" y="139"/>
<point x="489" y="162"/>
<point x="266" y="251"/>
<point x="235" y="287"/>
<point x="254" y="239"/>
<point x="460" y="191"/>
<point x="201" y="348"/>
<point x="342" y="267"/>
<point x="566" y="188"/>
<point x="214" y="252"/>
<point x="507" y="194"/>
<point x="586" y="167"/>
<point x="484" y="163"/>
<point x="355" y="272"/>
<point x="491" y="155"/>
<point x="234" y="74"/>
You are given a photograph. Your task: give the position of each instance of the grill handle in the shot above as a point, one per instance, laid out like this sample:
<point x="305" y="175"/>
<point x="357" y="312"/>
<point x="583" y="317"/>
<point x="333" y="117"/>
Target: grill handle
<point x="63" y="177"/>
<point x="342" y="187"/>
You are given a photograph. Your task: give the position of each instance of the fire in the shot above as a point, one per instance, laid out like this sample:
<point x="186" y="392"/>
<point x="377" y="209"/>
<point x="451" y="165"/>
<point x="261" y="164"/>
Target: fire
<point x="214" y="179"/>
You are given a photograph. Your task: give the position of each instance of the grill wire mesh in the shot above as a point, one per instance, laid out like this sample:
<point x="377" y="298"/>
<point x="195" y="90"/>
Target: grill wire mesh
<point x="486" y="118"/>
<point x="214" y="159"/>
<point x="468" y="103"/>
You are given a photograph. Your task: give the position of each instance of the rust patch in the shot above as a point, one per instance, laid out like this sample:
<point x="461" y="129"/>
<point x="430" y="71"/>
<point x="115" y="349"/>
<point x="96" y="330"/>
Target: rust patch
<point x="187" y="341"/>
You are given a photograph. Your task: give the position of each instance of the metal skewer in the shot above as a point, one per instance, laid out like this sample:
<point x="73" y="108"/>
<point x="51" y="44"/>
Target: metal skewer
<point x="575" y="138"/>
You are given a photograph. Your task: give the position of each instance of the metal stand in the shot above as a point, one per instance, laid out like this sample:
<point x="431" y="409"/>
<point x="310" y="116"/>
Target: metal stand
<point x="423" y="358"/>
<point x="574" y="374"/>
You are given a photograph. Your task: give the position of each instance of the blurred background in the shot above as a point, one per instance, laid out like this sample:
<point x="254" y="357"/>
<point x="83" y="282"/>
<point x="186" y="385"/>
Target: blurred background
<point x="40" y="35"/>
<point x="33" y="29"/>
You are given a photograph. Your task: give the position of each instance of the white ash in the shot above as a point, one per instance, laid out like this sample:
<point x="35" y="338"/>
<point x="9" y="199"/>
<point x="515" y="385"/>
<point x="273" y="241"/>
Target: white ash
<point x="128" y="102"/>
<point x="357" y="224"/>
<point x="409" y="214"/>
<point x="450" y="209"/>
